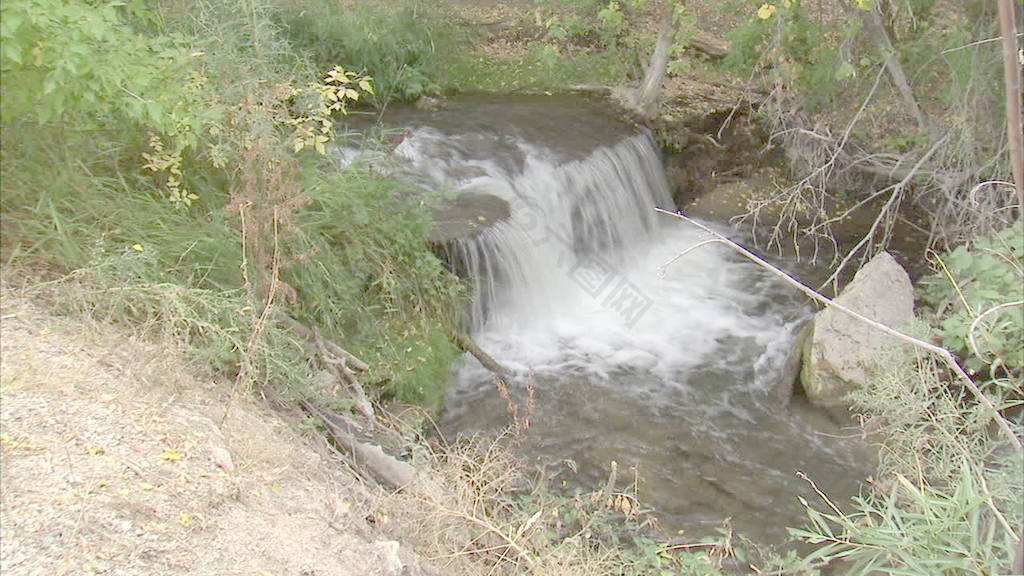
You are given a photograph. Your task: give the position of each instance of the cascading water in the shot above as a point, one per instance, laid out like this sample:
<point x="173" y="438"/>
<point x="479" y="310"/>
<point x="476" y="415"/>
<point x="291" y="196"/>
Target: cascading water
<point x="633" y="356"/>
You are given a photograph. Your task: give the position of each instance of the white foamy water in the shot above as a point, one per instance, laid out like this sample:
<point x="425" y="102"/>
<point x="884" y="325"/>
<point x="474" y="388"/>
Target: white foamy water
<point x="578" y="278"/>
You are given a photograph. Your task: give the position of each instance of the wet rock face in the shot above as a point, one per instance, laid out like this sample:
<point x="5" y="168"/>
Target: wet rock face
<point x="465" y="216"/>
<point x="842" y="352"/>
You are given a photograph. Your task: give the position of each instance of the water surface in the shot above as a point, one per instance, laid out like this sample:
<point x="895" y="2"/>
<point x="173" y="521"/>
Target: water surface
<point x="666" y="366"/>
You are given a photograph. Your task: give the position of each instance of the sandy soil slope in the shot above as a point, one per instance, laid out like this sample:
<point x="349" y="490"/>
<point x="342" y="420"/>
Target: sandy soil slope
<point x="117" y="459"/>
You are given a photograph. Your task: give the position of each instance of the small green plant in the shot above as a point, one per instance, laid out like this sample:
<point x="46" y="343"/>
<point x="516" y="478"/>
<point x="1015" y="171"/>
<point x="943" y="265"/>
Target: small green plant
<point x="334" y="93"/>
<point x="976" y="291"/>
<point x="611" y="21"/>
<point x="913" y="528"/>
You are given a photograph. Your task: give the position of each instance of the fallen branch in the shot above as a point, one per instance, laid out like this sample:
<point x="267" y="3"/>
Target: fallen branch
<point x="391" y="471"/>
<point x="707" y="49"/>
<point x="340" y="362"/>
<point x="466" y="344"/>
<point x="309" y="334"/>
<point x="945" y="355"/>
<point x="341" y="370"/>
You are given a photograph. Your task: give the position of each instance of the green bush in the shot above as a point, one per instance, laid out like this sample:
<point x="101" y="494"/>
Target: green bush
<point x="796" y="49"/>
<point x="973" y="291"/>
<point x="92" y="59"/>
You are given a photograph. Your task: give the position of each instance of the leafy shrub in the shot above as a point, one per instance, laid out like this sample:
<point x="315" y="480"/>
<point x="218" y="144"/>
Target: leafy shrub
<point x="973" y="292"/>
<point x="94" y="62"/>
<point x="794" y="48"/>
<point x="78" y="194"/>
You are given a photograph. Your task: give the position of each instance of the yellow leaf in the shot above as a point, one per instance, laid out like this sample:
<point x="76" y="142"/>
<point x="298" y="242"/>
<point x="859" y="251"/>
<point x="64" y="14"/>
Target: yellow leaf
<point x="185" y="519"/>
<point x="766" y="11"/>
<point x="171" y="455"/>
<point x="146" y="486"/>
<point x="137" y="247"/>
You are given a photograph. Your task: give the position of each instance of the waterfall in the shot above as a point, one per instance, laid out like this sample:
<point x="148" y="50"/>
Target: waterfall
<point x="570" y="222"/>
<point x="622" y="349"/>
<point x="576" y="276"/>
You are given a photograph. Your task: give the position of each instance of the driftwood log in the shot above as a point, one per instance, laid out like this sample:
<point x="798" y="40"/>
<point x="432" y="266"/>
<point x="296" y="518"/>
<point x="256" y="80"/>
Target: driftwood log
<point x="389" y="470"/>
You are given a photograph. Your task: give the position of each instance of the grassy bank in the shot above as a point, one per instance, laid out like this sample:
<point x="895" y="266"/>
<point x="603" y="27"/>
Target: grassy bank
<point x="166" y="164"/>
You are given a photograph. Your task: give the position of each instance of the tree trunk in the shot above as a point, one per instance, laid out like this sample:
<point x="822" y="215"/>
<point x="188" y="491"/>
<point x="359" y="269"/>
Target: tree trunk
<point x="645" y="98"/>
<point x="1011" y="73"/>
<point x="876" y="29"/>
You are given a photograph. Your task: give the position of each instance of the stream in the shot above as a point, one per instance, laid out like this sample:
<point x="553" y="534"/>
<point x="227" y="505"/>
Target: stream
<point x="622" y="350"/>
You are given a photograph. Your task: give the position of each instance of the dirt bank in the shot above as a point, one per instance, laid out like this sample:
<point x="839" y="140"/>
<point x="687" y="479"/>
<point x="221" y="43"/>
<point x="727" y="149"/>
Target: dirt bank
<point x="117" y="459"/>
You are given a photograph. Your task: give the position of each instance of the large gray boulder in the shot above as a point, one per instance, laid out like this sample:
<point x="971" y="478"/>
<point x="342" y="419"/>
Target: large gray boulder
<point x="842" y="352"/>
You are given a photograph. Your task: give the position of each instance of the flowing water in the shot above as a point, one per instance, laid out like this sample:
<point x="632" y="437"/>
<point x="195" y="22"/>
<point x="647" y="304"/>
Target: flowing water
<point x="664" y="365"/>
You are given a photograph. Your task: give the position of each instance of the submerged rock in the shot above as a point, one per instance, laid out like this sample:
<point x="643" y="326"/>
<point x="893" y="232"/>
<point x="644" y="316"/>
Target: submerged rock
<point x="783" y="390"/>
<point x="841" y="351"/>
<point x="466" y="215"/>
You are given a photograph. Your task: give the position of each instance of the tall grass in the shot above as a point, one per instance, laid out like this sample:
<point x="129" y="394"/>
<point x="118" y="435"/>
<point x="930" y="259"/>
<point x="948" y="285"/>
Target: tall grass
<point x="406" y="45"/>
<point x="542" y="66"/>
<point x="77" y="200"/>
<point x="947" y="495"/>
